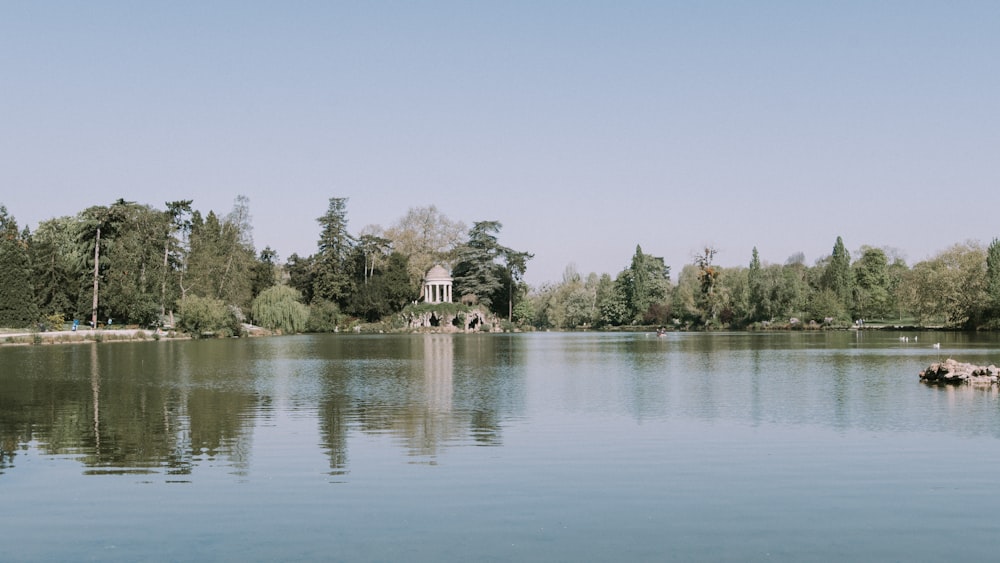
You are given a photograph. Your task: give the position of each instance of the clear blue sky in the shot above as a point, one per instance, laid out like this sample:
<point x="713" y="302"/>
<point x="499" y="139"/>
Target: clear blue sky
<point x="584" y="127"/>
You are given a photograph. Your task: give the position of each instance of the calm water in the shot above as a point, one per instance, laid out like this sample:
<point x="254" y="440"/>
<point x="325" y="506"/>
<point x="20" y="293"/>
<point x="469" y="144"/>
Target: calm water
<point x="551" y="447"/>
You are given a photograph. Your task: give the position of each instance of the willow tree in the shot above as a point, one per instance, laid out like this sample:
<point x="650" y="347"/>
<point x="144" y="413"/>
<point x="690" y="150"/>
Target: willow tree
<point x="280" y="308"/>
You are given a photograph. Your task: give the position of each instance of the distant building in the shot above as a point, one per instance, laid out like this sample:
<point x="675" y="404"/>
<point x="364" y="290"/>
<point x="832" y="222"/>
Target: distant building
<point x="437" y="286"/>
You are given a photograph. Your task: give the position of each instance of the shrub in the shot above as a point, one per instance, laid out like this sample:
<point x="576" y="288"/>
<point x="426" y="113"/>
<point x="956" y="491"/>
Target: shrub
<point x="323" y="317"/>
<point x="201" y="315"/>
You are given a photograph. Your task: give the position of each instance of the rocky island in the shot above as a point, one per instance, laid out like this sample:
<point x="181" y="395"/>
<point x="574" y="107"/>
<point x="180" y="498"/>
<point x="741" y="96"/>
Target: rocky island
<point x="957" y="373"/>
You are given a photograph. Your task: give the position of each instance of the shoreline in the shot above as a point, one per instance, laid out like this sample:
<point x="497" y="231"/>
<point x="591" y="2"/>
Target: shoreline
<point x="28" y="338"/>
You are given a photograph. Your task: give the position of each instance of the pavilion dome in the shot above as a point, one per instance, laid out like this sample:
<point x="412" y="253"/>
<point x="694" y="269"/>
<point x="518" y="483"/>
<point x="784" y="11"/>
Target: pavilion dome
<point x="438" y="274"/>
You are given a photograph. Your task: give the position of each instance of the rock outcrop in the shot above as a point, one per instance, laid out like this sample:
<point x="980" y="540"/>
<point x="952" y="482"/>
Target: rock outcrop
<point x="957" y="373"/>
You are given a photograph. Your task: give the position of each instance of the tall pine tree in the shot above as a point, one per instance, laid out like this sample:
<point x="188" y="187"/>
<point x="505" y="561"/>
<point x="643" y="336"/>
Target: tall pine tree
<point x="17" y="298"/>
<point x="332" y="280"/>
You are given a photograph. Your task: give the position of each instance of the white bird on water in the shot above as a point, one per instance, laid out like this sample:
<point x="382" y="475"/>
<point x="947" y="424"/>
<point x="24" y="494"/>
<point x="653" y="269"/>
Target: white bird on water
<point x="936" y="345"/>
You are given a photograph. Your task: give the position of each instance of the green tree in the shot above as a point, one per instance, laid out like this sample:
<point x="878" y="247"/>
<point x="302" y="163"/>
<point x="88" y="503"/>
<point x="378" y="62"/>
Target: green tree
<point x="264" y="272"/>
<point x="221" y="258"/>
<point x="993" y="282"/>
<point x="54" y="257"/>
<point x="17" y="299"/>
<point x="133" y="268"/>
<point x="645" y="282"/>
<point x="708" y="274"/>
<point x="756" y="305"/>
<point x="950" y="287"/>
<point x="280" y="307"/>
<point x="489" y="270"/>
<point x="611" y="301"/>
<point x="386" y="291"/>
<point x="95" y="222"/>
<point x="837" y="276"/>
<point x="301" y="275"/>
<point x="872" y="283"/>
<point x="176" y="221"/>
<point x="332" y="271"/>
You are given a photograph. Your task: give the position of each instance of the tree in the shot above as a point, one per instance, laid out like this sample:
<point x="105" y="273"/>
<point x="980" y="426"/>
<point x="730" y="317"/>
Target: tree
<point x="645" y="282"/>
<point x="477" y="272"/>
<point x="611" y="301"/>
<point x="488" y="270"/>
<point x="426" y="237"/>
<point x="755" y="289"/>
<point x="54" y="256"/>
<point x="950" y="287"/>
<point x="17" y="299"/>
<point x="133" y="269"/>
<point x="263" y="273"/>
<point x="177" y="221"/>
<point x="93" y="221"/>
<point x="332" y="268"/>
<point x="387" y="290"/>
<point x="837" y="276"/>
<point x="222" y="257"/>
<point x="373" y="251"/>
<point x="993" y="281"/>
<point x="301" y="275"/>
<point x="872" y="283"/>
<point x="280" y="307"/>
<point x="707" y="276"/>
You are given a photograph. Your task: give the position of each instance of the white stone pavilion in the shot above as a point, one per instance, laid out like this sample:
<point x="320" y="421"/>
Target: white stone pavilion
<point x="437" y="286"/>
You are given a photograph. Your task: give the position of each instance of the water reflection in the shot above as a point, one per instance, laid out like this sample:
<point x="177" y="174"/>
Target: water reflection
<point x="175" y="407"/>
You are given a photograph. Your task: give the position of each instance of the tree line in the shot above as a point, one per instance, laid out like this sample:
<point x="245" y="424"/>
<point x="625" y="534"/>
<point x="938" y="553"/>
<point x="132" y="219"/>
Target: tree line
<point x="957" y="288"/>
<point x="133" y="264"/>
<point x="130" y="263"/>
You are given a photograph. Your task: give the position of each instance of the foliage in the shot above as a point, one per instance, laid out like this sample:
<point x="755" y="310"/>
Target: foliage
<point x="204" y="315"/>
<point x="17" y="298"/>
<point x="756" y="304"/>
<point x="488" y="270"/>
<point x="300" y="275"/>
<point x="993" y="281"/>
<point x="645" y="282"/>
<point x="221" y="257"/>
<point x="279" y="307"/>
<point x="570" y="304"/>
<point x="950" y="287"/>
<point x="264" y="272"/>
<point x="133" y="264"/>
<point x="837" y="276"/>
<point x="383" y="291"/>
<point x="53" y="265"/>
<point x="324" y="316"/>
<point x="426" y="237"/>
<point x="611" y="301"/>
<point x="332" y="277"/>
<point x="872" y="285"/>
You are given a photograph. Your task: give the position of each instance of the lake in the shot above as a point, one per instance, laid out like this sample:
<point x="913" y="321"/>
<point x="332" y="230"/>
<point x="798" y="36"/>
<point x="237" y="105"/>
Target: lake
<point x="805" y="446"/>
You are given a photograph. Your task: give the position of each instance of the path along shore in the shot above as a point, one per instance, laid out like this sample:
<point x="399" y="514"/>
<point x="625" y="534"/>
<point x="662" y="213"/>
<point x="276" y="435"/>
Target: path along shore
<point x="85" y="335"/>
